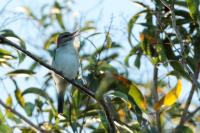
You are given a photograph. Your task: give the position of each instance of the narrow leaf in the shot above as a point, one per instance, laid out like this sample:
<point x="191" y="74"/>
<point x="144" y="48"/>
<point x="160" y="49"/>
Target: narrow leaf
<point x="10" y="33"/>
<point x="21" y="73"/>
<point x="29" y="107"/>
<point x="19" y="97"/>
<point x="103" y="87"/>
<point x="103" y="120"/>
<point x="193" y="6"/>
<point x="10" y="114"/>
<point x="139" y="99"/>
<point x="52" y="39"/>
<point x="5" y="128"/>
<point x="170" y="98"/>
<point x="108" y="41"/>
<point x="130" y="26"/>
<point x="33" y="90"/>
<point x="9" y="101"/>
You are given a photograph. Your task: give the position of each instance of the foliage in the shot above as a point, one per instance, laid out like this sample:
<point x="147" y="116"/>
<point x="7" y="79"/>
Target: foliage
<point x="131" y="103"/>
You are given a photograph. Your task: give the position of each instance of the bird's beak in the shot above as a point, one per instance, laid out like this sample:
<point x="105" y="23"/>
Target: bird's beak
<point x="75" y="33"/>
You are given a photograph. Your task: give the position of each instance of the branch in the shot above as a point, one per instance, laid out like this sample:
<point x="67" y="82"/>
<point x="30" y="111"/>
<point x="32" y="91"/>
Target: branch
<point x="177" y="32"/>
<point x="36" y="128"/>
<point x="109" y="117"/>
<point x="189" y="99"/>
<point x="155" y="96"/>
<point x="192" y="114"/>
<point x="82" y="88"/>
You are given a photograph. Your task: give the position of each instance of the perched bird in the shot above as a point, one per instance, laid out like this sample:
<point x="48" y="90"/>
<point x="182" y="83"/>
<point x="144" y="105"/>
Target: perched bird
<point x="66" y="60"/>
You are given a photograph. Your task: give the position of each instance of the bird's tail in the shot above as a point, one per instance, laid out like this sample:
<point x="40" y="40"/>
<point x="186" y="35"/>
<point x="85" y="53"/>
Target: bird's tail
<point x="61" y="85"/>
<point x="60" y="102"/>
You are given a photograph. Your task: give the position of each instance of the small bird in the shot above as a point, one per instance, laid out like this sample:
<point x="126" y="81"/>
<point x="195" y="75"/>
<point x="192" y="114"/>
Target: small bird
<point x="66" y="60"/>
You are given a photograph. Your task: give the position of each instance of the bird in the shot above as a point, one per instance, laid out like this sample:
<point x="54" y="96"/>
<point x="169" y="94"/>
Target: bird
<point x="66" y="61"/>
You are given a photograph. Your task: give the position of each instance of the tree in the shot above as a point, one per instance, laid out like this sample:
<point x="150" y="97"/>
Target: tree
<point x="104" y="98"/>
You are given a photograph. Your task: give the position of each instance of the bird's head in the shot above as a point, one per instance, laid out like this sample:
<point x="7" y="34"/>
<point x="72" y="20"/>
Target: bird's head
<point x="66" y="37"/>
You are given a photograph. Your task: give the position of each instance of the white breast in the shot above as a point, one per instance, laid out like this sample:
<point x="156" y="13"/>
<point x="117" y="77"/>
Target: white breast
<point x="66" y="60"/>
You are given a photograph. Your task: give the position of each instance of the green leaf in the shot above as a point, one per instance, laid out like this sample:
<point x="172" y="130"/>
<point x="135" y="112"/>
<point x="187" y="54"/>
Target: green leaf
<point x="130" y="26"/>
<point x="193" y="6"/>
<point x="9" y="101"/>
<point x="29" y="107"/>
<point x="21" y="56"/>
<point x="26" y="10"/>
<point x="9" y="33"/>
<point x="59" y="15"/>
<point x="5" y="64"/>
<point x="121" y="95"/>
<point x="21" y="73"/>
<point x="39" y="103"/>
<point x="9" y="114"/>
<point x="2" y="118"/>
<point x="161" y="54"/>
<point x="99" y="130"/>
<point x="177" y="66"/>
<point x="184" y="14"/>
<point x="183" y="129"/>
<point x="103" y="120"/>
<point x="34" y="90"/>
<point x="88" y="25"/>
<point x="137" y="61"/>
<point x="5" y="128"/>
<point x="108" y="41"/>
<point x="19" y="97"/>
<point x="87" y="28"/>
<point x="33" y="65"/>
<point x="139" y="99"/>
<point x="102" y="48"/>
<point x="103" y="87"/>
<point x="141" y="4"/>
<point x="132" y="52"/>
<point x="5" y="52"/>
<point x="110" y="57"/>
<point x="52" y="39"/>
<point x="27" y="130"/>
<point x="103" y="66"/>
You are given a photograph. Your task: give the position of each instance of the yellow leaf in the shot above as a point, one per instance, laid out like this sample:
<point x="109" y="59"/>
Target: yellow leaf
<point x="129" y="105"/>
<point x="139" y="99"/>
<point x="122" y="114"/>
<point x="9" y="101"/>
<point x="170" y="98"/>
<point x="19" y="97"/>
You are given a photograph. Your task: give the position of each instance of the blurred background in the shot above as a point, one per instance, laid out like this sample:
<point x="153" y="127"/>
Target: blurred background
<point x="111" y="35"/>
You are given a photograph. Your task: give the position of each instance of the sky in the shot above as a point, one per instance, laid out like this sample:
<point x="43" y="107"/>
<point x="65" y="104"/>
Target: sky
<point x="104" y="12"/>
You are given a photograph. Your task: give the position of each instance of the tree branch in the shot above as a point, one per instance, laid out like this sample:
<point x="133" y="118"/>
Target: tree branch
<point x="190" y="115"/>
<point x="36" y="128"/>
<point x="189" y="99"/>
<point x="82" y="88"/>
<point x="177" y="32"/>
<point x="155" y="96"/>
<point x="109" y="117"/>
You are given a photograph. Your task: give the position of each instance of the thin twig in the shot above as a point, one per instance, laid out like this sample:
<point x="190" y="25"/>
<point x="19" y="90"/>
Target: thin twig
<point x="82" y="88"/>
<point x="177" y="32"/>
<point x="192" y="114"/>
<point x="189" y="99"/>
<point x="106" y="38"/>
<point x="107" y="112"/>
<point x="84" y="116"/>
<point x="36" y="128"/>
<point x="155" y="96"/>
